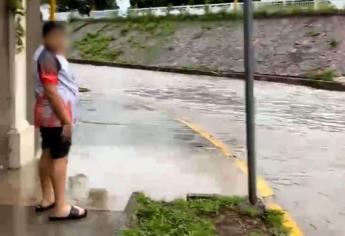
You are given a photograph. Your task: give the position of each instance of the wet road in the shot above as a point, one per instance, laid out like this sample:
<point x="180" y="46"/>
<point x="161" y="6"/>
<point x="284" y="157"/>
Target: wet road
<point x="300" y="133"/>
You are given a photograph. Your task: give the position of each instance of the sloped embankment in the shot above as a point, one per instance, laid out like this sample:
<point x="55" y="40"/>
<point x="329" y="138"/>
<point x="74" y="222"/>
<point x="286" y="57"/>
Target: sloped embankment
<point x="286" y="46"/>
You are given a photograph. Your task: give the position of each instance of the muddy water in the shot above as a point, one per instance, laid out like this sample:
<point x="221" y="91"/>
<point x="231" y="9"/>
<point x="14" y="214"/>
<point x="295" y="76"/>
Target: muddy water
<point x="300" y="133"/>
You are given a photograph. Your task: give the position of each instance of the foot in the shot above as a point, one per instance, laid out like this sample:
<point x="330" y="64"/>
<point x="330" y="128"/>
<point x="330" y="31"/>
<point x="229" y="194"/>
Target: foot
<point x="45" y="205"/>
<point x="65" y="211"/>
<point x="46" y="202"/>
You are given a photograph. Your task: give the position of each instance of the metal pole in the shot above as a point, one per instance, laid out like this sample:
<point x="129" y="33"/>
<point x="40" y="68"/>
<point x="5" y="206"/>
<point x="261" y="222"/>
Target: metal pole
<point x="52" y="10"/>
<point x="250" y="103"/>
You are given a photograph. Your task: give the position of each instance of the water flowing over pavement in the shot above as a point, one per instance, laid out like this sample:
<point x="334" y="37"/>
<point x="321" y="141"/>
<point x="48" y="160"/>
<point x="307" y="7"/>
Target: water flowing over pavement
<point x="300" y="133"/>
<point x="121" y="147"/>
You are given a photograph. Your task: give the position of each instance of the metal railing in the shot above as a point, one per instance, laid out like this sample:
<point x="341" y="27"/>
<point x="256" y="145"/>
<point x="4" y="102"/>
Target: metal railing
<point x="201" y="9"/>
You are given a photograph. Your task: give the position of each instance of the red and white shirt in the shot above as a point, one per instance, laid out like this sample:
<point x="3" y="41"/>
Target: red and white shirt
<point x="53" y="69"/>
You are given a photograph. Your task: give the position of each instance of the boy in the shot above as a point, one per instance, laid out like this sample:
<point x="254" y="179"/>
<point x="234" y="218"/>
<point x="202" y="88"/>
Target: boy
<point x="56" y="96"/>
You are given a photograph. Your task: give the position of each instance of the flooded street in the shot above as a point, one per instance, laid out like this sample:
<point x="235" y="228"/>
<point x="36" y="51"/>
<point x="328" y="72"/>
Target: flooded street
<point x="300" y="133"/>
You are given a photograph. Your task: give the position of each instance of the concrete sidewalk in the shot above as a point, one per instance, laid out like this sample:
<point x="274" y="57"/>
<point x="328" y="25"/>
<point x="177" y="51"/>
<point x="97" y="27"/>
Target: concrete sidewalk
<point x="120" y="146"/>
<point x="23" y="221"/>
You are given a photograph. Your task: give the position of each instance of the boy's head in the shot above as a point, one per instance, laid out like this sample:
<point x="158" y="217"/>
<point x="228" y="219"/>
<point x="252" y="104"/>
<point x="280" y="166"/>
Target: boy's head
<point x="54" y="36"/>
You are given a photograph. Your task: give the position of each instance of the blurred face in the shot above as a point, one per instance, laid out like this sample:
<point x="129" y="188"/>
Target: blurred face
<point x="56" y="40"/>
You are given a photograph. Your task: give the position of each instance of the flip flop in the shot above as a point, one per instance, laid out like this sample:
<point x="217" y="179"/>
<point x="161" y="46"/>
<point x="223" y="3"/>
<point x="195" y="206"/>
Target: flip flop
<point x="73" y="215"/>
<point x="40" y="208"/>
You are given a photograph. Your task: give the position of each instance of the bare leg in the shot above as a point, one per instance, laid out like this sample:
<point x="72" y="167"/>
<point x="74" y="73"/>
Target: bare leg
<point x="45" y="179"/>
<point x="59" y="169"/>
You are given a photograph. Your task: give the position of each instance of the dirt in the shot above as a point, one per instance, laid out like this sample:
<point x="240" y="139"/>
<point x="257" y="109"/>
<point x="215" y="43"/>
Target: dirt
<point x="234" y="223"/>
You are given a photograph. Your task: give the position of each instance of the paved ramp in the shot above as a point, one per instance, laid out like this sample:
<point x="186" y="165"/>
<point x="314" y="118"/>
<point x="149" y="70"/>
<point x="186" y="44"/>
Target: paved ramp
<point x="121" y="146"/>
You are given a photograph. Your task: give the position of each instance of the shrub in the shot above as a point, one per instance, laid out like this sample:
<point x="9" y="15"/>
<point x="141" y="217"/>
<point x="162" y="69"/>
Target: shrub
<point x="324" y="75"/>
<point x="333" y="43"/>
<point x="96" y="47"/>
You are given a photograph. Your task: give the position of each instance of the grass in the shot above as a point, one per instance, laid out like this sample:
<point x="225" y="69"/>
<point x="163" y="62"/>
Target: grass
<point x="100" y="47"/>
<point x="195" y="217"/>
<point x="124" y="31"/>
<point x="292" y="10"/>
<point x="157" y="27"/>
<point x="96" y="47"/>
<point x="323" y="75"/>
<point x="275" y="219"/>
<point x="333" y="43"/>
<point x="313" y="33"/>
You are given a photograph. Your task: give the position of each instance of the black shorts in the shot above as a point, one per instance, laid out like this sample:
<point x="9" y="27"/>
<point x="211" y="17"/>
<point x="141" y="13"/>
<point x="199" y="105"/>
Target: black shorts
<point x="52" y="139"/>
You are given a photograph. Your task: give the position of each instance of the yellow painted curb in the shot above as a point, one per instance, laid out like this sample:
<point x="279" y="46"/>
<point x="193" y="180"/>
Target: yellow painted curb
<point x="288" y="221"/>
<point x="264" y="189"/>
<point x="218" y="144"/>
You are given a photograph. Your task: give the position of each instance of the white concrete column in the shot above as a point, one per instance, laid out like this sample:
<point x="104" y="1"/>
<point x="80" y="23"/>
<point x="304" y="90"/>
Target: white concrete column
<point x="21" y="135"/>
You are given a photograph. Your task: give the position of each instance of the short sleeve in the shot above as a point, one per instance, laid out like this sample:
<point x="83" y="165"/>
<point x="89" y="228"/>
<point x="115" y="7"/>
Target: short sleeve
<point x="48" y="68"/>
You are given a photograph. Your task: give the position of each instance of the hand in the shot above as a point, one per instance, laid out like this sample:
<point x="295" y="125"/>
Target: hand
<point x="67" y="132"/>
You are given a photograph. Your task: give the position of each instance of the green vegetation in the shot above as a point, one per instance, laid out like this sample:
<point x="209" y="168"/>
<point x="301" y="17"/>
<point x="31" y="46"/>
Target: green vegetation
<point x="158" y="27"/>
<point x="155" y="27"/>
<point x="313" y="33"/>
<point x="166" y="3"/>
<point x="262" y="12"/>
<point x="143" y="35"/>
<point x="75" y="4"/>
<point x="333" y="43"/>
<point x="323" y="75"/>
<point x="124" y="31"/>
<point x="16" y="6"/>
<point x="169" y="18"/>
<point x="255" y="233"/>
<point x="275" y="219"/>
<point x="197" y="217"/>
<point x="278" y="10"/>
<point x="96" y="47"/>
<point x="293" y="10"/>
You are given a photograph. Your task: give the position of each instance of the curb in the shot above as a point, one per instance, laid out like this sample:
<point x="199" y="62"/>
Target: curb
<point x="131" y="207"/>
<point x="294" y="80"/>
<point x="263" y="187"/>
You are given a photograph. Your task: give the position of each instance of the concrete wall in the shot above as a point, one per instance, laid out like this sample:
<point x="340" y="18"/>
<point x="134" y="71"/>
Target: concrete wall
<point x="33" y="40"/>
<point x="4" y="83"/>
<point x="16" y="87"/>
